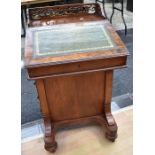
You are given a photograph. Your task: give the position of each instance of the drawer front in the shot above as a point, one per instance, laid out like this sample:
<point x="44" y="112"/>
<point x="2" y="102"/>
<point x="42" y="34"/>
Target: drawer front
<point x="77" y="67"/>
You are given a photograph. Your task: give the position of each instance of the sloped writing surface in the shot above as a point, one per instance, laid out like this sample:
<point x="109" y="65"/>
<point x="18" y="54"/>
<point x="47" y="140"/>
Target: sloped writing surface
<point x="71" y="39"/>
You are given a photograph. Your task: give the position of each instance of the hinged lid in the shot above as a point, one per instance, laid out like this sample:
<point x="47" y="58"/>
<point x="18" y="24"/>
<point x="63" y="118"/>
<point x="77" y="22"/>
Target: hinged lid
<point x="72" y="42"/>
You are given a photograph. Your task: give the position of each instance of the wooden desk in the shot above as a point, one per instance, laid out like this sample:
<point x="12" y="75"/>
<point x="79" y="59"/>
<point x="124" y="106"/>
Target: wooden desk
<point x="71" y="52"/>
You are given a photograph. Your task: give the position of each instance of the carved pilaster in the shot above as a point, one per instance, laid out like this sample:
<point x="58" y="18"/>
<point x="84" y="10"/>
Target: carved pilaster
<point x="111" y="132"/>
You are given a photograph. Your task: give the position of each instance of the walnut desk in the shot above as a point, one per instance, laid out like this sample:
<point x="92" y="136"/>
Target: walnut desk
<point x="71" y="52"/>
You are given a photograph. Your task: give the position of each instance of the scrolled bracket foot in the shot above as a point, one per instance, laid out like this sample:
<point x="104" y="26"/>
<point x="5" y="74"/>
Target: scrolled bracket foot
<point x="111" y="132"/>
<point x="51" y="147"/>
<point x="49" y="136"/>
<point x="111" y="136"/>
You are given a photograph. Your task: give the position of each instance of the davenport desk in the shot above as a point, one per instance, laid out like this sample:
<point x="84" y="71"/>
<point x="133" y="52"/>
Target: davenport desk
<point x="71" y="52"/>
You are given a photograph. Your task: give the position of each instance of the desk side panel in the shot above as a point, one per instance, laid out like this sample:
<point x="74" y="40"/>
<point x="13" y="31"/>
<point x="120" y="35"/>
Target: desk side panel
<point x="75" y="96"/>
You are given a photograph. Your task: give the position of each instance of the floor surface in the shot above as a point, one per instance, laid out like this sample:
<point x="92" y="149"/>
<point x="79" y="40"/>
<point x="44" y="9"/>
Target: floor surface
<point x="88" y="140"/>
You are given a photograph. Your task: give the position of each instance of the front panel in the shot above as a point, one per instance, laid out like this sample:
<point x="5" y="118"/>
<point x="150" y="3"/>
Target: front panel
<point x="77" y="96"/>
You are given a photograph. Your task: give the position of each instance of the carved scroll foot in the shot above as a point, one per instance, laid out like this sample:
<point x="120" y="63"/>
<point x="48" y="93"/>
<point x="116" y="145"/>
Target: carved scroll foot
<point x="50" y="143"/>
<point x="51" y="147"/>
<point x="111" y="135"/>
<point x="111" y="132"/>
<point x="49" y="137"/>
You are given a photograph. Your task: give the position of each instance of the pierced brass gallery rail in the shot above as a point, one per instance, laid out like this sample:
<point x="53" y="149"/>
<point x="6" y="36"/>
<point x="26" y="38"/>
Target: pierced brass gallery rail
<point x="63" y="10"/>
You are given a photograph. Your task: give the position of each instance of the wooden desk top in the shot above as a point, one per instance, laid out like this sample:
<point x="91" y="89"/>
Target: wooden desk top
<point x="71" y="39"/>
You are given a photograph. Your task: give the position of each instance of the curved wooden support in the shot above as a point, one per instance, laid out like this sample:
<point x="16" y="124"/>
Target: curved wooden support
<point x="111" y="132"/>
<point x="111" y="126"/>
<point x="49" y="138"/>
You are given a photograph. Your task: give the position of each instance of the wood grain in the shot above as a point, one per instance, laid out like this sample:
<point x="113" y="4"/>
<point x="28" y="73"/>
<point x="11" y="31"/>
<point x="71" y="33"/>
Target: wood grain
<point x="75" y="96"/>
